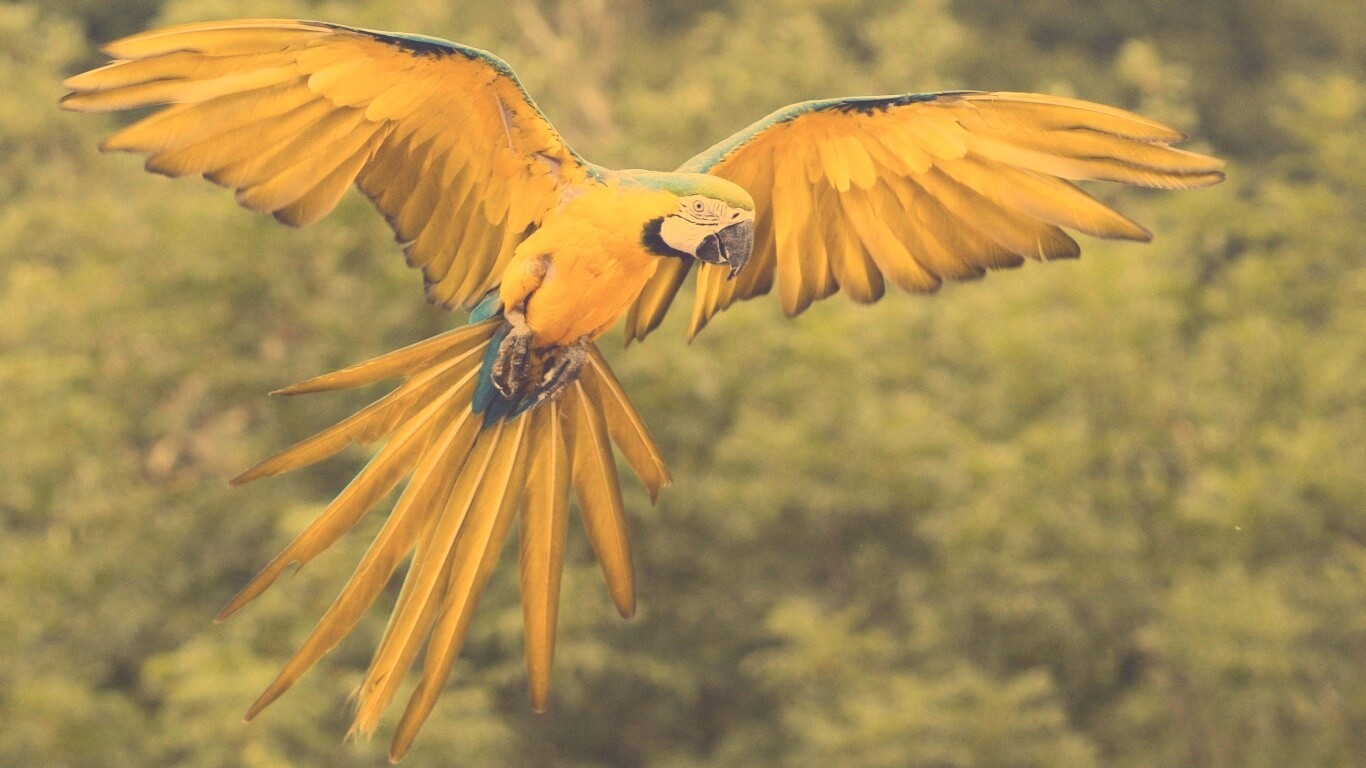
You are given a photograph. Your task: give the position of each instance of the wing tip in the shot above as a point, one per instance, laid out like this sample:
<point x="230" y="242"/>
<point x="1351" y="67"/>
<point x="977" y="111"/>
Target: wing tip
<point x="111" y="144"/>
<point x="294" y="219"/>
<point x="1132" y="231"/>
<point x="1216" y="175"/>
<point x="78" y="101"/>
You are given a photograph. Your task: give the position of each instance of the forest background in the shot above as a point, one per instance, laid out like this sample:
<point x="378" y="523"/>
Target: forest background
<point x="1098" y="513"/>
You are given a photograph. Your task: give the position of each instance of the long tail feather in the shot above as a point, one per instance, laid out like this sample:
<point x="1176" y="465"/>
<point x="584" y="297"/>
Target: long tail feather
<point x="545" y="518"/>
<point x="599" y="493"/>
<point x="467" y="477"/>
<point x="625" y="426"/>
<point x="481" y="541"/>
<point x="376" y="481"/>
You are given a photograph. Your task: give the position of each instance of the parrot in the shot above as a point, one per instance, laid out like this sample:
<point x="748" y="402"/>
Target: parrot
<point x="503" y="418"/>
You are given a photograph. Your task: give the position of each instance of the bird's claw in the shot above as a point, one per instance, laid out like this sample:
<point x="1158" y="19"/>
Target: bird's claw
<point x="509" y="372"/>
<point x="566" y="369"/>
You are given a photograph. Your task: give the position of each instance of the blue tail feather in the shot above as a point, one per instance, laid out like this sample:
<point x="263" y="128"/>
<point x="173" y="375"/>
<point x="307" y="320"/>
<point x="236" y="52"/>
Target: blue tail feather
<point x="484" y="392"/>
<point x="487" y="400"/>
<point x="488" y="308"/>
<point x="503" y="408"/>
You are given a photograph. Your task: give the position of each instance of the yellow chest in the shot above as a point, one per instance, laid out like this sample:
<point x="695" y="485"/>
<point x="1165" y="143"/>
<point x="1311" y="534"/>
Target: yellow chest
<point x="595" y="264"/>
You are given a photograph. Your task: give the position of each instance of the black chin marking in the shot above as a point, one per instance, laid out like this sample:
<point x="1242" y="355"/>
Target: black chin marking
<point x="712" y="250"/>
<point x="654" y="242"/>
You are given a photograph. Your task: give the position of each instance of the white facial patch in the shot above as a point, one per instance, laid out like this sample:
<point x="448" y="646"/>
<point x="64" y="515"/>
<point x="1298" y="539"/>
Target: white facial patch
<point x="684" y="235"/>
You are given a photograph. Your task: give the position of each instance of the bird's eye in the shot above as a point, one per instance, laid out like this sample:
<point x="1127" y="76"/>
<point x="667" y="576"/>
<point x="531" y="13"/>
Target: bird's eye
<point x="699" y="206"/>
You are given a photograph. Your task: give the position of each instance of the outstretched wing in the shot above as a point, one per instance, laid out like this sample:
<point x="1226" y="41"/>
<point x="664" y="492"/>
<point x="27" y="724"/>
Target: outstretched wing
<point x="441" y="137"/>
<point x="918" y="189"/>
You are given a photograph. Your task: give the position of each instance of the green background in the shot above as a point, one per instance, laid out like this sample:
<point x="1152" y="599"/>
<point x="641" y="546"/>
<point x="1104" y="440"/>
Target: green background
<point x="1098" y="513"/>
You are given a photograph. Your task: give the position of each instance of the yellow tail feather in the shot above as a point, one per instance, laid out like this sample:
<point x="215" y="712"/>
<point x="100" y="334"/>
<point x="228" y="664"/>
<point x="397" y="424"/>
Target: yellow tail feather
<point x="465" y="484"/>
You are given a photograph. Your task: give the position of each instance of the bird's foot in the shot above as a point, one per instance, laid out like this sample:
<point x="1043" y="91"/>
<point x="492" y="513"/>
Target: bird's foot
<point x="564" y="372"/>
<point x="510" y="368"/>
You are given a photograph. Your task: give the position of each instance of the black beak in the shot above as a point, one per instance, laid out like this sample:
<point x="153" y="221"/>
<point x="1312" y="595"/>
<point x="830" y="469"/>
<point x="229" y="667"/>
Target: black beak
<point x="731" y="246"/>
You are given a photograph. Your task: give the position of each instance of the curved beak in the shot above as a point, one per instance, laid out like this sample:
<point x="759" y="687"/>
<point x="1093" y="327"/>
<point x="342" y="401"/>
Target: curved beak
<point x="730" y="246"/>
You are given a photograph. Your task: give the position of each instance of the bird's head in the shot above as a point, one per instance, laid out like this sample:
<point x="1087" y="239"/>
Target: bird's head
<point x="713" y="222"/>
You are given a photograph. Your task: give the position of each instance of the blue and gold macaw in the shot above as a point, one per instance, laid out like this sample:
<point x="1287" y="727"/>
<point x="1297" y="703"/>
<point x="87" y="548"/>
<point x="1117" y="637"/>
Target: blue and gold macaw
<point x="502" y="417"/>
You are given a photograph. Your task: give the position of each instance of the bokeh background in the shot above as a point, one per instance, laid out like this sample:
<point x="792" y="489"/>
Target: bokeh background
<point x="1098" y="513"/>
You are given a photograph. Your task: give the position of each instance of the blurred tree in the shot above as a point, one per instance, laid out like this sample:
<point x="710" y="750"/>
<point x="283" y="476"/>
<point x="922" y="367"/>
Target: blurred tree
<point x="104" y="19"/>
<point x="1237" y="52"/>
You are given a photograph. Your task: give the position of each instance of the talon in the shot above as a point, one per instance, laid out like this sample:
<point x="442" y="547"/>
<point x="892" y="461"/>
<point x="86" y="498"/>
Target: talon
<point x="509" y="372"/>
<point x="565" y="370"/>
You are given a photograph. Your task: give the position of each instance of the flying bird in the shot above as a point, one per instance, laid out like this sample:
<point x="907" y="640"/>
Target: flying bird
<point x="502" y="418"/>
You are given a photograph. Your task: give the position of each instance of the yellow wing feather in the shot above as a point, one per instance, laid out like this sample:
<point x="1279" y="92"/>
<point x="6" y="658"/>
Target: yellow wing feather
<point x="290" y="113"/>
<point x="919" y="189"/>
<point x="853" y="269"/>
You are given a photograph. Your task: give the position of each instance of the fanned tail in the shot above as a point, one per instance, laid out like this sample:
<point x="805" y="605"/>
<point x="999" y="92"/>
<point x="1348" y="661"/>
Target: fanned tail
<point x="466" y="480"/>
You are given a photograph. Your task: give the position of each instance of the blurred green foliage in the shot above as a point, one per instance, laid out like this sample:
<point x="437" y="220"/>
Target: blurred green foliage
<point x="1106" y="513"/>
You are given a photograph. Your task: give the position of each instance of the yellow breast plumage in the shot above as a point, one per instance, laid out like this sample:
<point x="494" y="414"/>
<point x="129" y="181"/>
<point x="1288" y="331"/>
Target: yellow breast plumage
<point x="597" y="263"/>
